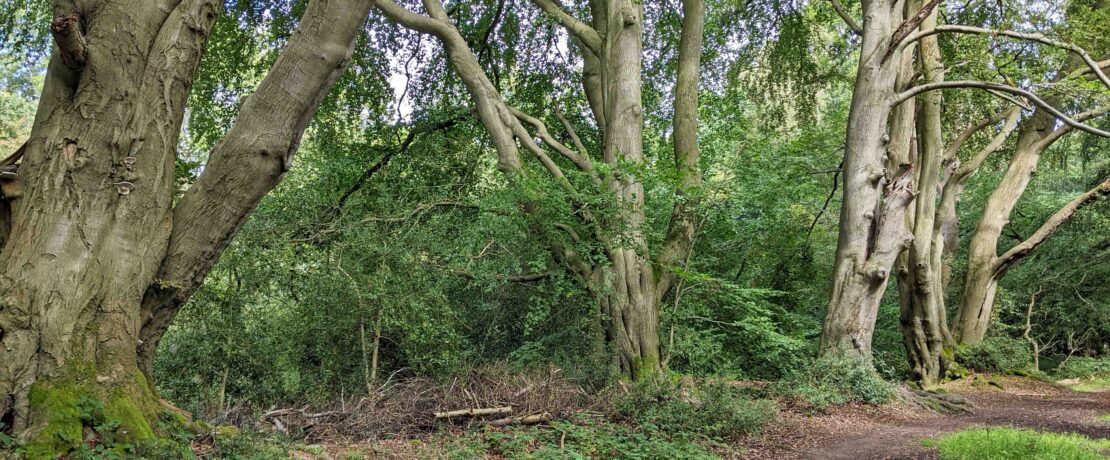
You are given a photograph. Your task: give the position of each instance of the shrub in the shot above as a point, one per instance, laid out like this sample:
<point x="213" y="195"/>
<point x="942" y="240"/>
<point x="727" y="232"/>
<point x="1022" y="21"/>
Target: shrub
<point x="713" y="410"/>
<point x="997" y="354"/>
<point x="1011" y="443"/>
<point x="836" y="380"/>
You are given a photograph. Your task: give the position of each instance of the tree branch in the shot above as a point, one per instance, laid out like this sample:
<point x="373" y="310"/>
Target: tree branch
<point x="572" y="133"/>
<point x="847" y="17"/>
<point x="578" y="29"/>
<point x="905" y="95"/>
<point x="1011" y="122"/>
<point x="907" y="27"/>
<point x="1053" y="223"/>
<point x="582" y="163"/>
<point x="251" y="159"/>
<point x="66" y="30"/>
<point x="1093" y="66"/>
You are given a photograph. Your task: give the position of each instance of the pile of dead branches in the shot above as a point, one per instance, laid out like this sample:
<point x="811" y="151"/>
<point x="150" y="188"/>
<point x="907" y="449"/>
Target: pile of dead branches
<point x="411" y="406"/>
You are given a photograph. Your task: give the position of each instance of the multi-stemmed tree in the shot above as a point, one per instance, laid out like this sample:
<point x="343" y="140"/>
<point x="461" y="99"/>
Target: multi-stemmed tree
<point x="628" y="280"/>
<point x="901" y="182"/>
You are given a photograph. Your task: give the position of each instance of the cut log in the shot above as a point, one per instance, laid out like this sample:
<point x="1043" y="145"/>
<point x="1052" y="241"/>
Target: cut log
<point x="475" y="412"/>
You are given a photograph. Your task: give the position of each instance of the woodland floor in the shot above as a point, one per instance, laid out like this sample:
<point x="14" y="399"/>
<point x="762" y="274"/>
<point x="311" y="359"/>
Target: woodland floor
<point x="896" y="431"/>
<point x="857" y="432"/>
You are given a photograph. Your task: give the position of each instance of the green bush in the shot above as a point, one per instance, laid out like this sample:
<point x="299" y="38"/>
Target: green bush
<point x="1011" y="443"/>
<point x="835" y="380"/>
<point x="997" y="354"/>
<point x="1081" y="367"/>
<point x="712" y="410"/>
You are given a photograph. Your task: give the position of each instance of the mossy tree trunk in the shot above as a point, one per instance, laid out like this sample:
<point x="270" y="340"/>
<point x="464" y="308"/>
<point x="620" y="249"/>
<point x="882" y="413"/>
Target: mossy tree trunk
<point x="95" y="242"/>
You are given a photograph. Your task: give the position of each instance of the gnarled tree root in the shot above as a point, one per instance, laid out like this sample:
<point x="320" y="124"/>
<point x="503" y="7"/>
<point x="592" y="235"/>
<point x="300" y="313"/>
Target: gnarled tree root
<point x="934" y="401"/>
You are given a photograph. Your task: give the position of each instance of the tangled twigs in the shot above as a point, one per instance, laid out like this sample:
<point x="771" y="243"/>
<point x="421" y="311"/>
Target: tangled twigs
<point x="492" y="396"/>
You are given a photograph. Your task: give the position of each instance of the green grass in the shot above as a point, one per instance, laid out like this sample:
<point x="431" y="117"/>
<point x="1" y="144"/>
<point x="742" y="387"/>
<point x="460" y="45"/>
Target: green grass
<point x="1011" y="443"/>
<point x="1096" y="384"/>
<point x="1104" y="417"/>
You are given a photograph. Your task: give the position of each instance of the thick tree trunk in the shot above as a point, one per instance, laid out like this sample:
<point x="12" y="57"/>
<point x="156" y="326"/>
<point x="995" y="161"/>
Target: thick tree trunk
<point x="93" y="234"/>
<point x="93" y="221"/>
<point x="876" y="197"/>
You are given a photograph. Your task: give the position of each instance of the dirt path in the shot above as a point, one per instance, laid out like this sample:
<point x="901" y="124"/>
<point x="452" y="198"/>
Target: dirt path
<point x="896" y="433"/>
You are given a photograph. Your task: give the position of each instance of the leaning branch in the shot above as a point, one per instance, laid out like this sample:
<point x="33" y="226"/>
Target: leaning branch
<point x="1095" y="67"/>
<point x="1049" y="227"/>
<point x="584" y="33"/>
<point x="847" y="17"/>
<point x="906" y="95"/>
<point x="1013" y="118"/>
<point x="581" y="162"/>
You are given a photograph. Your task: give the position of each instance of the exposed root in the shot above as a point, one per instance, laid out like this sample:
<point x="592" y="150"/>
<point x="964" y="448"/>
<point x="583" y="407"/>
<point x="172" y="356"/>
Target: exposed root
<point x="941" y="403"/>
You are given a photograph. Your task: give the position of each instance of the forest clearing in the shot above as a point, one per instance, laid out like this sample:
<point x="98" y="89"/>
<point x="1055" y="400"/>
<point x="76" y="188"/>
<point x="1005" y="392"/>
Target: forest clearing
<point x="581" y="229"/>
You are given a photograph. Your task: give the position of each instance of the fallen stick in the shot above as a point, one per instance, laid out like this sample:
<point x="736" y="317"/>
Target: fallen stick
<point x="525" y="420"/>
<point x="475" y="412"/>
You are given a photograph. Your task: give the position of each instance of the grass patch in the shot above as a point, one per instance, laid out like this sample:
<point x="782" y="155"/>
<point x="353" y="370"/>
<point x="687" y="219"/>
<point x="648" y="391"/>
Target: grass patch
<point x="1094" y="384"/>
<point x="1012" y="443"/>
<point x="1104" y="417"/>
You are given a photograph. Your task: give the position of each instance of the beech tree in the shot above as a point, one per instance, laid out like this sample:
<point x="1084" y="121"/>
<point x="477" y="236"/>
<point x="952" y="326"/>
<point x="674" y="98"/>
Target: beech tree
<point x="894" y="179"/>
<point x="923" y="270"/>
<point x="99" y="257"/>
<point x="627" y="282"/>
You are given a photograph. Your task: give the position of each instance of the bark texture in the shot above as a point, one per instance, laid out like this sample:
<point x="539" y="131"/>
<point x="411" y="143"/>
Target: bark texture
<point x="922" y="315"/>
<point x="877" y="192"/>
<point x="630" y="285"/>
<point x="96" y="248"/>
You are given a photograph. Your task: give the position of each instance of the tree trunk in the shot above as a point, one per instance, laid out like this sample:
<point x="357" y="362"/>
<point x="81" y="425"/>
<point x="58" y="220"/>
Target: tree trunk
<point x="922" y="315"/>
<point x="94" y="220"/>
<point x="627" y="289"/>
<point x="94" y="233"/>
<point x="984" y="266"/>
<point x="872" y="226"/>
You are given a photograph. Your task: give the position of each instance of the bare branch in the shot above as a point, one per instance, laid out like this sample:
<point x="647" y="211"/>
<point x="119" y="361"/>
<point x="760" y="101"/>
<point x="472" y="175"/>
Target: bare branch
<point x="1093" y="66"/>
<point x="1049" y="227"/>
<point x="571" y="132"/>
<point x="582" y="163"/>
<point x="905" y="95"/>
<point x="13" y="158"/>
<point x="427" y="206"/>
<point x="1061" y="131"/>
<point x="847" y="17"/>
<point x="580" y="30"/>
<point x="1012" y="120"/>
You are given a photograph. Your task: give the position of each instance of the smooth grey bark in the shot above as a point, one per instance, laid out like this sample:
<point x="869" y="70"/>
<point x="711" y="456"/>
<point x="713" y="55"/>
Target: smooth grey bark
<point x="95" y="238"/>
<point x="876" y="194"/>
<point x="922" y="313"/>
<point x="251" y="159"/>
<point x="627" y="288"/>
